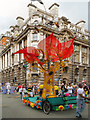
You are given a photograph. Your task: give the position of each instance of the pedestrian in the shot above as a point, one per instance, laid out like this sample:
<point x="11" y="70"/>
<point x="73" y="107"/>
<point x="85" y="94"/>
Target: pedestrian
<point x="22" y="91"/>
<point x="80" y="101"/>
<point x="8" y="88"/>
<point x="62" y="89"/>
<point x="86" y="90"/>
<point x="19" y="86"/>
<point x="75" y="90"/>
<point x="70" y="89"/>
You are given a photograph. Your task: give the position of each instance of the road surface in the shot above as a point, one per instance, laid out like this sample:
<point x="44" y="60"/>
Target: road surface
<point x="13" y="107"/>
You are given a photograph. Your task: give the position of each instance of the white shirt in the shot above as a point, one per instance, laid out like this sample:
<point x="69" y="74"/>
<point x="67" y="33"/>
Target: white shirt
<point x="69" y="89"/>
<point x="23" y="90"/>
<point x="80" y="91"/>
<point x="8" y="87"/>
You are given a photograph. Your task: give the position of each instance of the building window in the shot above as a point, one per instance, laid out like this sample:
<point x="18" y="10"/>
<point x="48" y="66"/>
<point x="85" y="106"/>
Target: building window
<point x="12" y="59"/>
<point x="82" y="38"/>
<point x="65" y="69"/>
<point x="84" y="78"/>
<point x="25" y="43"/>
<point x="84" y="49"/>
<point x="84" y="72"/>
<point x="2" y="62"/>
<point x="75" y="47"/>
<point x="35" y="69"/>
<point x="83" y="60"/>
<point x="35" y="36"/>
<point x="77" y="78"/>
<point x="65" y="39"/>
<point x="47" y="35"/>
<point x="76" y="58"/>
<point x="77" y="71"/>
<point x="7" y="59"/>
<point x="20" y="45"/>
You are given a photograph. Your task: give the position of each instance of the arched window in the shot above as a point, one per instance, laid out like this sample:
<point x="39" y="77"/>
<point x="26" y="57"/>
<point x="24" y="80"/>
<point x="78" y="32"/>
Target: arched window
<point x="76" y="71"/>
<point x="84" y="72"/>
<point x="65" y="69"/>
<point x="35" y="36"/>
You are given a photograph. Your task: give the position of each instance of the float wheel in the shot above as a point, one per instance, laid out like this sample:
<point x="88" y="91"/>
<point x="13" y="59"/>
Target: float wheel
<point x="46" y="107"/>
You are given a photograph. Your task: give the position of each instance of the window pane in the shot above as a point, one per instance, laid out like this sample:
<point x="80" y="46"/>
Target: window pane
<point x="35" y="37"/>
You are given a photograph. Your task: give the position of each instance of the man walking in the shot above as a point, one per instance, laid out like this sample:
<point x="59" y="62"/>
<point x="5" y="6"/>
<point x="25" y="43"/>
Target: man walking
<point x="80" y="101"/>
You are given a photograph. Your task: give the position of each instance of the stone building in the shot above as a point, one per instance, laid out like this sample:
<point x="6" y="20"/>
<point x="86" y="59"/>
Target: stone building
<point x="30" y="32"/>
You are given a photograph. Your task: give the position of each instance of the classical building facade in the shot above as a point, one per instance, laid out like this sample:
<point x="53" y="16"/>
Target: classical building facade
<point x="30" y="32"/>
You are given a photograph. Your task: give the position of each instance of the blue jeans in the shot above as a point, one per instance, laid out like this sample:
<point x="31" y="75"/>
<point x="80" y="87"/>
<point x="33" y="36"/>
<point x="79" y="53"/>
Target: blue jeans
<point x="80" y="106"/>
<point x="62" y="93"/>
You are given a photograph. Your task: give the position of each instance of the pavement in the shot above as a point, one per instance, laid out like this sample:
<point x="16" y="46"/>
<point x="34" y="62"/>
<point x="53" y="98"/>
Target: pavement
<point x="13" y="107"/>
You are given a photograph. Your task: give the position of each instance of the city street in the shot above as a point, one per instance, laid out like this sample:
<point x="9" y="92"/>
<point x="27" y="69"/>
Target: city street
<point x="44" y="50"/>
<point x="12" y="107"/>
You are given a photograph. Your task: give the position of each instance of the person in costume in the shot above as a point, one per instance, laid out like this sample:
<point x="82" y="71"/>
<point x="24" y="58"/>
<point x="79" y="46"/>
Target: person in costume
<point x="30" y="91"/>
<point x="56" y="88"/>
<point x="40" y="90"/>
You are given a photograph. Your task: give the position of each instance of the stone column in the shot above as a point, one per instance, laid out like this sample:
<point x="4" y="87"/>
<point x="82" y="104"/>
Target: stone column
<point x="39" y="37"/>
<point x="80" y="54"/>
<point x="29" y="39"/>
<point x="88" y="56"/>
<point x="0" y="63"/>
<point x="6" y="60"/>
<point x="22" y="55"/>
<point x="11" y="54"/>
<point x="17" y="54"/>
<point x="3" y="61"/>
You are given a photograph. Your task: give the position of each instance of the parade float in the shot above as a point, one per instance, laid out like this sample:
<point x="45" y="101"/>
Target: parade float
<point x="48" y="57"/>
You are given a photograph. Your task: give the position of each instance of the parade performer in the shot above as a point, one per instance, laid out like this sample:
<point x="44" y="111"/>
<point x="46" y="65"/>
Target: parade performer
<point x="56" y="88"/>
<point x="30" y="91"/>
<point x="40" y="89"/>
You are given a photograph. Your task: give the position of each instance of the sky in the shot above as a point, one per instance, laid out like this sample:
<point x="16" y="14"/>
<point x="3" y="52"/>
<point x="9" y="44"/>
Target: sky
<point x="74" y="10"/>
